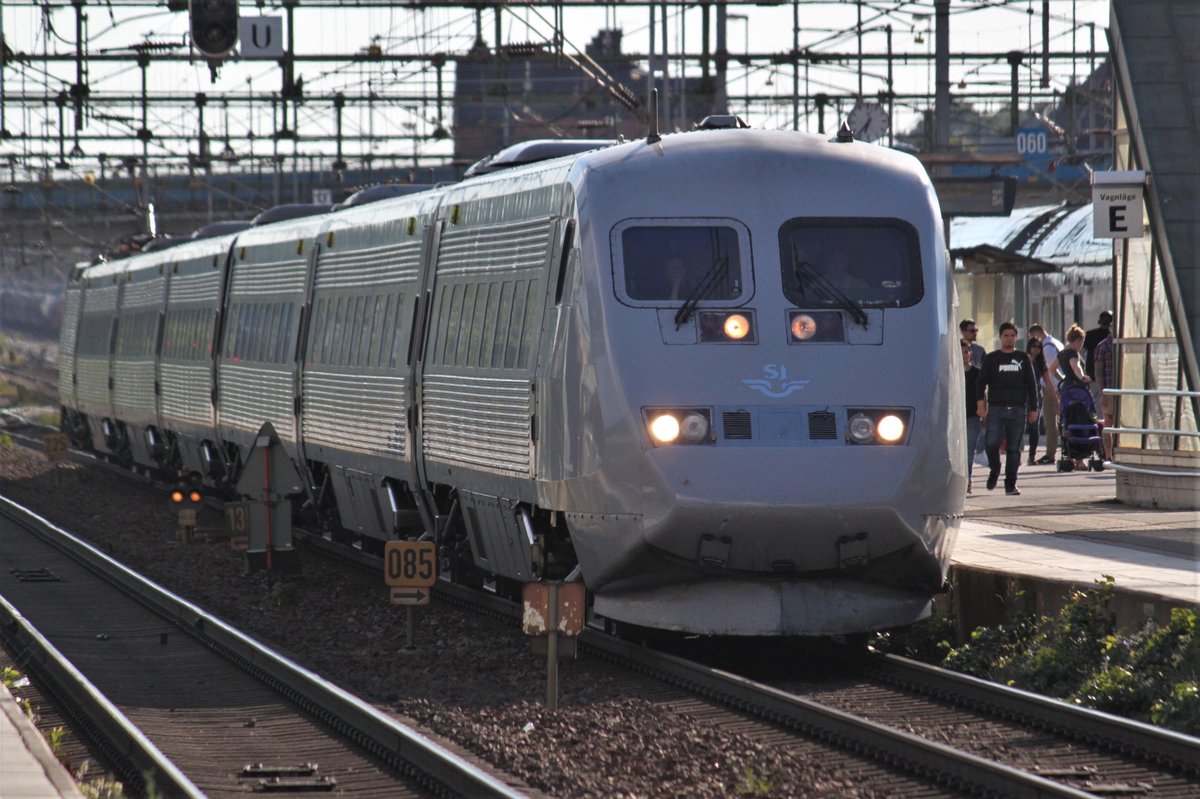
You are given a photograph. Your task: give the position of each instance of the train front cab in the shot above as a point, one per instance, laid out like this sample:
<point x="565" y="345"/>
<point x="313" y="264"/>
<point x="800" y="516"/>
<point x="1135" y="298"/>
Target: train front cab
<point x="788" y="428"/>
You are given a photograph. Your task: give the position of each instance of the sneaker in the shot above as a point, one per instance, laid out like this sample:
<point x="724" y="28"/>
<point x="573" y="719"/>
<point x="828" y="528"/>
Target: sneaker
<point x="1030" y="462"/>
<point x="1045" y="460"/>
<point x="991" y="481"/>
<point x="1013" y="492"/>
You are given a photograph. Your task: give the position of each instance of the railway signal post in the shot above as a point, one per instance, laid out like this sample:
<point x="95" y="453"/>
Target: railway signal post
<point x="549" y="610"/>
<point x="187" y="499"/>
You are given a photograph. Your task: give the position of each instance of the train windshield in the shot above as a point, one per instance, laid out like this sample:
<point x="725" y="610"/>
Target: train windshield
<point x="864" y="262"/>
<point x="672" y="264"/>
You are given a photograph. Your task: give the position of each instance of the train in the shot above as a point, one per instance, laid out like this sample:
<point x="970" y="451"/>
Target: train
<point x="713" y="375"/>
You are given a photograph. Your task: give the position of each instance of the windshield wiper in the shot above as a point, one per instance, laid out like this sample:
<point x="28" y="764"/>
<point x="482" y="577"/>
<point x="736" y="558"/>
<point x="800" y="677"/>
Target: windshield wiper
<point x="806" y="273"/>
<point x="715" y="273"/>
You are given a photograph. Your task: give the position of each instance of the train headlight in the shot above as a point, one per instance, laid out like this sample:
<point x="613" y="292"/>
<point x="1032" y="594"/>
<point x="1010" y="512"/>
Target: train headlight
<point x="695" y="428"/>
<point x="804" y="327"/>
<point x="811" y="327"/>
<point x="736" y="326"/>
<point x="890" y="428"/>
<point x="727" y="327"/>
<point x="861" y="428"/>
<point x="664" y="429"/>
<point x="679" y="426"/>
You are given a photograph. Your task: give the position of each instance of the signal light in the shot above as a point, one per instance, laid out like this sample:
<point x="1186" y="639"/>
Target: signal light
<point x="186" y="497"/>
<point x="214" y="26"/>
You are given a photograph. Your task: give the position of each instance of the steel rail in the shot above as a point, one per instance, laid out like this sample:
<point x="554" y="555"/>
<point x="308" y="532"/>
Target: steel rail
<point x="396" y="743"/>
<point x="1158" y="745"/>
<point x="943" y="764"/>
<point x="936" y="761"/>
<point x="948" y="765"/>
<point x="135" y="757"/>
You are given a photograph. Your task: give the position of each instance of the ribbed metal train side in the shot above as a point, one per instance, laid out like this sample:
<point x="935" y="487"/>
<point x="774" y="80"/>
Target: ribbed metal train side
<point x="68" y="339"/>
<point x="186" y="371"/>
<point x="492" y="281"/>
<point x="257" y="373"/>
<point x="93" y="354"/>
<point x="355" y="381"/>
<point x="135" y="384"/>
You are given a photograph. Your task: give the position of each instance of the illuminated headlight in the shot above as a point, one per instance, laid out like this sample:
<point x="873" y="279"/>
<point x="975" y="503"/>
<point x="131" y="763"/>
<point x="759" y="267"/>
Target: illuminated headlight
<point x="861" y="429"/>
<point x="804" y="327"/>
<point x="878" y="425"/>
<point x="816" y="327"/>
<point x="679" y="425"/>
<point x="736" y="326"/>
<point x="664" y="428"/>
<point x="890" y="428"/>
<point x="727" y="327"/>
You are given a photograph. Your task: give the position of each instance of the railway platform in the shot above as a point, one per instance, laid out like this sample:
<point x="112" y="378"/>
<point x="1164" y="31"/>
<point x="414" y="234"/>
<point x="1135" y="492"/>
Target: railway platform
<point x="1066" y="530"/>
<point x="28" y="767"/>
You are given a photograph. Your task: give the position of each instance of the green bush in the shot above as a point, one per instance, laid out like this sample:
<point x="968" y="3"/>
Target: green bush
<point x="1151" y="675"/>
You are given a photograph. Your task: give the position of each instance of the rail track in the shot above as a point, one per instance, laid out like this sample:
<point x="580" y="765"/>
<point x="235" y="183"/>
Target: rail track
<point x="908" y="716"/>
<point x="180" y="702"/>
<point x="912" y="729"/>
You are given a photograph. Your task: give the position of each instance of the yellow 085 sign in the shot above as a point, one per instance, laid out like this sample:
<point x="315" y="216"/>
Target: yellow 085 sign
<point x="409" y="564"/>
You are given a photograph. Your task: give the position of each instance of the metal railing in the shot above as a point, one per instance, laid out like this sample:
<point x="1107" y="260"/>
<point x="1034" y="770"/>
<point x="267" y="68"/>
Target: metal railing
<point x="1151" y="431"/>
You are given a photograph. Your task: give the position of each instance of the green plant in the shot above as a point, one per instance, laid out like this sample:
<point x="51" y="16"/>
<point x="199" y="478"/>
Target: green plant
<point x="55" y="738"/>
<point x="9" y="676"/>
<point x="928" y="640"/>
<point x="103" y="788"/>
<point x="752" y="784"/>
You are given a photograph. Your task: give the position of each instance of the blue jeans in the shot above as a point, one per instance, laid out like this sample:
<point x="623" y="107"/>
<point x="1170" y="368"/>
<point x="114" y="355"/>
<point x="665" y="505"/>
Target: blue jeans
<point x="1007" y="423"/>
<point x="974" y="429"/>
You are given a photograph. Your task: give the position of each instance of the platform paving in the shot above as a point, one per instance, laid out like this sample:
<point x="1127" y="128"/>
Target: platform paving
<point x="28" y="768"/>
<point x="1067" y="530"/>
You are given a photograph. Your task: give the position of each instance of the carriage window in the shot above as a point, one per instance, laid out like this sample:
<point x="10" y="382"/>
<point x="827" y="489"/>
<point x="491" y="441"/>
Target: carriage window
<point x="671" y="263"/>
<point x="871" y="262"/>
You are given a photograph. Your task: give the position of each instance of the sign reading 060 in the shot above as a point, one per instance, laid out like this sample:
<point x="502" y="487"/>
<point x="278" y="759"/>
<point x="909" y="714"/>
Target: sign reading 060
<point x="410" y="564"/>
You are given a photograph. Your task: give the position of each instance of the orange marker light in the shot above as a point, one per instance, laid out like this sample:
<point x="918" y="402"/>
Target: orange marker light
<point x="804" y="327"/>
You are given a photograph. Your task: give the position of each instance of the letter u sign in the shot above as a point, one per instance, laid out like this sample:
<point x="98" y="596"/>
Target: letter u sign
<point x="261" y="37"/>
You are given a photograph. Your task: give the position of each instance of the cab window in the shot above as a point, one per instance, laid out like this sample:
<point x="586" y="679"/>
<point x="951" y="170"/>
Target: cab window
<point x="671" y="263"/>
<point x="872" y="262"/>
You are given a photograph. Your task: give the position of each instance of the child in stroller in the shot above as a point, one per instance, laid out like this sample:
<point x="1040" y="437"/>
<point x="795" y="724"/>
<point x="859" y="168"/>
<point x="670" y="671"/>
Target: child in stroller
<point x="1079" y="431"/>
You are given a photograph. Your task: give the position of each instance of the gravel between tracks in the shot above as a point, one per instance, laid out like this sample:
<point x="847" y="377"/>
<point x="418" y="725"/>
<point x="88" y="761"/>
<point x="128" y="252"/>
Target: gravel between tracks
<point x="471" y="680"/>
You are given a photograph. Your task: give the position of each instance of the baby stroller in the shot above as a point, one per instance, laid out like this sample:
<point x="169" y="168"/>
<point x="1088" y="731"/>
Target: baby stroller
<point x="1078" y="430"/>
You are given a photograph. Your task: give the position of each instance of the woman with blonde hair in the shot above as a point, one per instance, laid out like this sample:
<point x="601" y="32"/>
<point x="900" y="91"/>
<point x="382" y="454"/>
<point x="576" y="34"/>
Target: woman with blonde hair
<point x="1068" y="360"/>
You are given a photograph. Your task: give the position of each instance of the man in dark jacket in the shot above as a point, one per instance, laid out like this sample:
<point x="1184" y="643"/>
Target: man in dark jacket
<point x="1093" y="338"/>
<point x="1007" y="392"/>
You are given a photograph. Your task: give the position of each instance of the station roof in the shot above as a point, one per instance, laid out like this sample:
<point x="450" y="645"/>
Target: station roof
<point x="1033" y="240"/>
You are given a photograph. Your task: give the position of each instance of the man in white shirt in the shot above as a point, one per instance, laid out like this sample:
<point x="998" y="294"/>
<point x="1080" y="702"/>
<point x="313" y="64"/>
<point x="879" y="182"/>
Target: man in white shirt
<point x="1051" y="347"/>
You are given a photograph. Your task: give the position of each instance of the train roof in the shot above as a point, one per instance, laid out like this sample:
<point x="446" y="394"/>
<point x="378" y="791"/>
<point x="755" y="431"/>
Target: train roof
<point x="702" y="143"/>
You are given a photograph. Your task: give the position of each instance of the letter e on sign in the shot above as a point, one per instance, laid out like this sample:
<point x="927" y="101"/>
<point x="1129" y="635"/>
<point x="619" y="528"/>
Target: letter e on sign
<point x="409" y="564"/>
<point x="1117" y="205"/>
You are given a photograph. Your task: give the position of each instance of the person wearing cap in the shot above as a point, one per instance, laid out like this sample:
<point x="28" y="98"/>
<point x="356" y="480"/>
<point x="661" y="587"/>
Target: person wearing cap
<point x="1092" y="338"/>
